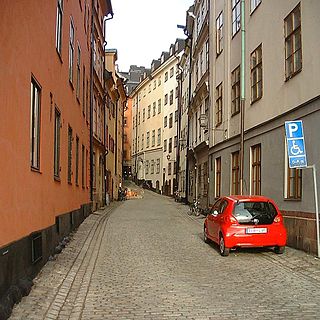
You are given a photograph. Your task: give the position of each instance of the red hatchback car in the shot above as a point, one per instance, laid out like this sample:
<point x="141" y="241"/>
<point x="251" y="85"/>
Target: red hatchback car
<point x="245" y="221"/>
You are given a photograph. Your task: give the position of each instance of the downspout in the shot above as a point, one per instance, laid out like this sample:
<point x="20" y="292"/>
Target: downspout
<point x="104" y="109"/>
<point x="242" y="93"/>
<point x="188" y="128"/>
<point x="179" y="126"/>
<point x="91" y="104"/>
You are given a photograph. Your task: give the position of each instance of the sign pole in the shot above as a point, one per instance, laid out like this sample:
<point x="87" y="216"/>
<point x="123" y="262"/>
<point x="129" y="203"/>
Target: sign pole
<point x="313" y="167"/>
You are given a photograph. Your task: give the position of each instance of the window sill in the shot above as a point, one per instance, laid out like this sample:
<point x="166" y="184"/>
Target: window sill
<point x="59" y="55"/>
<point x="238" y="31"/>
<point x="251" y="12"/>
<point x="71" y="84"/>
<point x="256" y="100"/>
<point x="78" y="100"/>
<point x="292" y="199"/>
<point x="33" y="169"/>
<point x="57" y="179"/>
<point x="235" y="113"/>
<point x="292" y="75"/>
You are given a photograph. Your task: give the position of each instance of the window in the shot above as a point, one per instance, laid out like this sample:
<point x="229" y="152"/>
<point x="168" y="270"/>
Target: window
<point x="78" y="72"/>
<point x="218" y="177"/>
<point x="149" y="111"/>
<point x="142" y="142"/>
<point x="148" y="139"/>
<point x="170" y="145"/>
<point x="71" y="50"/>
<point x="153" y="140"/>
<point x="77" y="160"/>
<point x="170" y="120"/>
<point x="219" y="104"/>
<point x="159" y="137"/>
<point x="59" y="26"/>
<point x="158" y="166"/>
<point x="294" y="183"/>
<point x="144" y="115"/>
<point x="235" y="91"/>
<point x="57" y="125"/>
<point x="139" y="117"/>
<point x="235" y="16"/>
<point x="159" y="81"/>
<point x="256" y="74"/>
<point x="254" y="4"/>
<point x="171" y="97"/>
<point x="165" y="121"/>
<point x="171" y="72"/>
<point x="175" y="141"/>
<point x="152" y="166"/>
<point x="147" y="167"/>
<point x="154" y="84"/>
<point x="292" y="29"/>
<point x="256" y="170"/>
<point x="154" y="109"/>
<point x="235" y="183"/>
<point x="35" y="125"/>
<point x="165" y="145"/>
<point x="69" y="154"/>
<point x="94" y="170"/>
<point x="169" y="168"/>
<point x="159" y="106"/>
<point x="149" y="88"/>
<point x="166" y="77"/>
<point x="83" y="166"/>
<point x="166" y="99"/>
<point x="36" y="247"/>
<point x="83" y="90"/>
<point x="176" y="116"/>
<point x="177" y="92"/>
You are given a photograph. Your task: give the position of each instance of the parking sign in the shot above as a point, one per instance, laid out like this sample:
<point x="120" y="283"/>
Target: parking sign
<point x="295" y="144"/>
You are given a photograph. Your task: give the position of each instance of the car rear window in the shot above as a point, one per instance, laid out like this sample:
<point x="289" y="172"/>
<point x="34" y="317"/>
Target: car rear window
<point x="254" y="212"/>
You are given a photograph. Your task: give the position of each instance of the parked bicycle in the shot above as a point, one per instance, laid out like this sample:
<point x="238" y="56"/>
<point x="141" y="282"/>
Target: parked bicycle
<point x="194" y="208"/>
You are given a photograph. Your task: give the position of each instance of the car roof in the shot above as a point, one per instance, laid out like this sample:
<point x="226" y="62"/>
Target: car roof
<point x="248" y="198"/>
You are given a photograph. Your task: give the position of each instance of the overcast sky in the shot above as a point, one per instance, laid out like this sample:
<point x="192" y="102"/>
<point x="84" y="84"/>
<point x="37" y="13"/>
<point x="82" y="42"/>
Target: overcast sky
<point x="141" y="29"/>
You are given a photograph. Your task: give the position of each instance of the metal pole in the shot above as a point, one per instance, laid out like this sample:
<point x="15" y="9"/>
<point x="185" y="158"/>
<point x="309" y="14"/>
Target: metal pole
<point x="313" y="167"/>
<point x="242" y="93"/>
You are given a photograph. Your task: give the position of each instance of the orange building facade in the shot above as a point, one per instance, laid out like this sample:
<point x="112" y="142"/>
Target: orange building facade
<point x="45" y="144"/>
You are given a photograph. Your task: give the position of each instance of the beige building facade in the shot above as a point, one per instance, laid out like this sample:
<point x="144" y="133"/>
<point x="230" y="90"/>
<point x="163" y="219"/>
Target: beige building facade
<point x="155" y="115"/>
<point x="280" y="85"/>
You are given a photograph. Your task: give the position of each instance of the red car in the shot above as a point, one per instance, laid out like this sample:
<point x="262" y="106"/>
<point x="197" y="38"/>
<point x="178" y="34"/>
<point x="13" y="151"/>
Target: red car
<point x="245" y="221"/>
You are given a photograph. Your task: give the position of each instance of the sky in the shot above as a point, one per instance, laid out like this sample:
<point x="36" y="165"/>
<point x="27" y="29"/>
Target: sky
<point x="141" y="29"/>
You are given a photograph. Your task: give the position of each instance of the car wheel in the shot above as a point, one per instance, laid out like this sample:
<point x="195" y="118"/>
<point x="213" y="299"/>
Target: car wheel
<point x="205" y="235"/>
<point x="223" y="250"/>
<point x="279" y="250"/>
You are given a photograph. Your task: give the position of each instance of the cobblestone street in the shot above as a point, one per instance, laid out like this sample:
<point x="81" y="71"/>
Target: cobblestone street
<point x="146" y="259"/>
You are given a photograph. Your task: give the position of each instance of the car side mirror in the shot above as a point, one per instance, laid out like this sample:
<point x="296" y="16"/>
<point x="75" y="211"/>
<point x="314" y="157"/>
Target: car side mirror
<point x="214" y="213"/>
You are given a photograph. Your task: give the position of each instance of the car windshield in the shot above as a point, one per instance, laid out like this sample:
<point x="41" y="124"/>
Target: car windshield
<point x="254" y="212"/>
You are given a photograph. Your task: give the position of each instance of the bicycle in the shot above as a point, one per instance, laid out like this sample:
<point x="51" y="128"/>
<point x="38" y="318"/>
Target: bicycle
<point x="194" y="208"/>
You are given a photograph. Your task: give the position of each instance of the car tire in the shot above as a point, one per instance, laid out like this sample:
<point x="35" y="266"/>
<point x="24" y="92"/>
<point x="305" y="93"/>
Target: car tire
<point x="205" y="237"/>
<point x="279" y="249"/>
<point x="224" y="251"/>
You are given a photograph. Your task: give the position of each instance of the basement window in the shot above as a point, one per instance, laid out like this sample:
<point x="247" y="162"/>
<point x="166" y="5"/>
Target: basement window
<point x="36" y="247"/>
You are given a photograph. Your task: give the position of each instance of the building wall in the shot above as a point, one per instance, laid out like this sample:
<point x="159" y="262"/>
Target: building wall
<point x="31" y="196"/>
<point x="282" y="100"/>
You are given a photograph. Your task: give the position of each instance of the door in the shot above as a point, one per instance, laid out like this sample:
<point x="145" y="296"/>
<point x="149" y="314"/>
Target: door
<point x="211" y="219"/>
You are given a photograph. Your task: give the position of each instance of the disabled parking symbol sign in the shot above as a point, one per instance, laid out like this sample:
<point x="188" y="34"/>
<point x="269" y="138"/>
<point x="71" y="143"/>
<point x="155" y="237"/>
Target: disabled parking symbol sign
<point x="295" y="144"/>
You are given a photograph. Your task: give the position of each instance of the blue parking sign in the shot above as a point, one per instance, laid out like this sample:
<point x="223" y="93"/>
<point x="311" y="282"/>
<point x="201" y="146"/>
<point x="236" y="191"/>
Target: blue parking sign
<point x="295" y="144"/>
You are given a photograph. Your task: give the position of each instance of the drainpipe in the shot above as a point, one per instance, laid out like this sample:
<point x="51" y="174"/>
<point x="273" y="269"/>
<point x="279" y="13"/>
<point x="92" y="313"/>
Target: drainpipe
<point x="242" y="93"/>
<point x="91" y="103"/>
<point x="188" y="122"/>
<point x="179" y="126"/>
<point x="104" y="107"/>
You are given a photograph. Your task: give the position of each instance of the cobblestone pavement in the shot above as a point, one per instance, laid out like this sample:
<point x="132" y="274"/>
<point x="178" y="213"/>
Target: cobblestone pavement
<point x="146" y="259"/>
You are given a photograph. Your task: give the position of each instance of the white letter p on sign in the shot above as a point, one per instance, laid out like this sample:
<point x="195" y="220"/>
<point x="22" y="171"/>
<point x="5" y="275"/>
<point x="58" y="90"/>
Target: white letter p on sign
<point x="292" y="128"/>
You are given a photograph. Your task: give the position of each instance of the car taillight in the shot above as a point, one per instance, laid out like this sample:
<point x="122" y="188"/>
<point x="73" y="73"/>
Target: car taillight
<point x="277" y="219"/>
